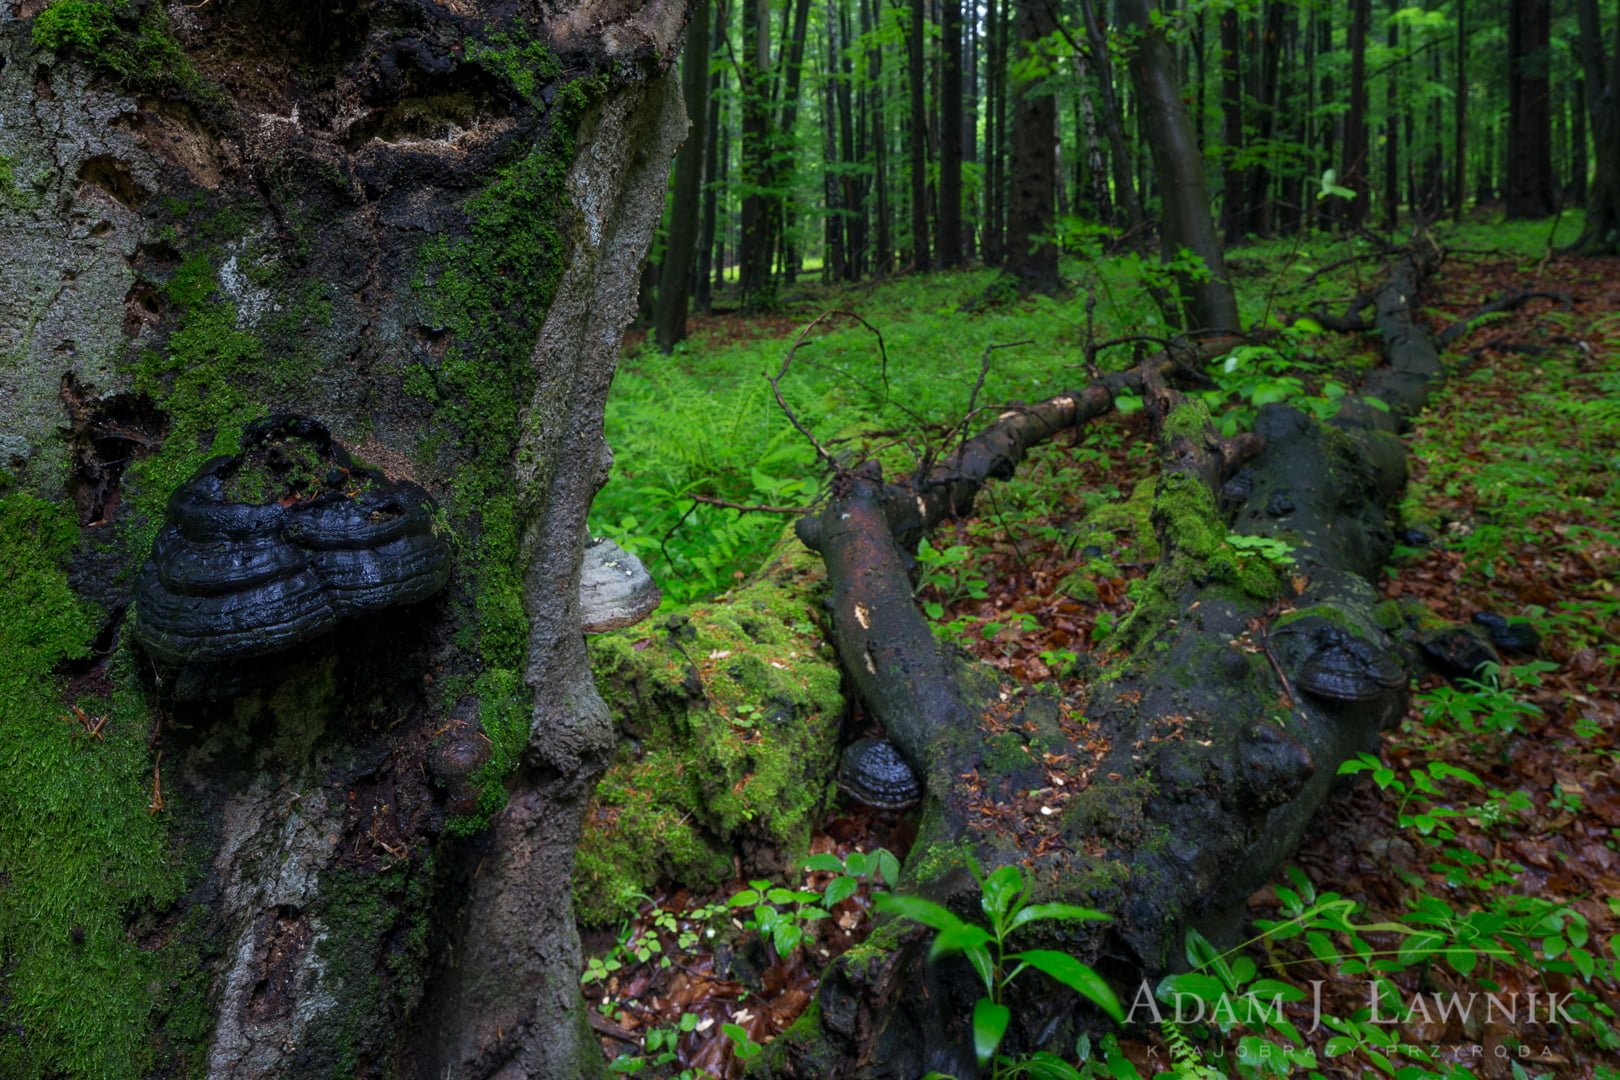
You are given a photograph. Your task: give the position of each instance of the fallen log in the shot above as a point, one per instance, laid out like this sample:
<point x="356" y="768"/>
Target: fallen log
<point x="1196" y="766"/>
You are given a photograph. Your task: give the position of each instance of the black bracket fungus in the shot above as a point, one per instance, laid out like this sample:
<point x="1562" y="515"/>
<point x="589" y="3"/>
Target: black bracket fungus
<point x="872" y="772"/>
<point x="1337" y="665"/>
<point x="1509" y="635"/>
<point x="279" y="544"/>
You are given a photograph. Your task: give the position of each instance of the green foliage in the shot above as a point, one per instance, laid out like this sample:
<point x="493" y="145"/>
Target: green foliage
<point x="1005" y="899"/>
<point x="778" y="915"/>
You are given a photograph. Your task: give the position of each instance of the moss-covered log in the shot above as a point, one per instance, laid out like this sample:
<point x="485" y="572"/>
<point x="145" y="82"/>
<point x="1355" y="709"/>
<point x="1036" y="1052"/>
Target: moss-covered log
<point x="1198" y="762"/>
<point x="417" y="223"/>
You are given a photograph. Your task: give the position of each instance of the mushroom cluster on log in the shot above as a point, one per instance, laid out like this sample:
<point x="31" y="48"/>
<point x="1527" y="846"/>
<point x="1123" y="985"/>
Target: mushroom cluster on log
<point x="278" y="544"/>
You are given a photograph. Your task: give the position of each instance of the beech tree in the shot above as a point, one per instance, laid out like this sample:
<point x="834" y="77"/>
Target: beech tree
<point x="422" y="228"/>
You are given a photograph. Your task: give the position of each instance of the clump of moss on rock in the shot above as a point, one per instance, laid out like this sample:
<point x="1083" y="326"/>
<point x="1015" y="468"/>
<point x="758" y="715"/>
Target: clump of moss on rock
<point x="730" y="714"/>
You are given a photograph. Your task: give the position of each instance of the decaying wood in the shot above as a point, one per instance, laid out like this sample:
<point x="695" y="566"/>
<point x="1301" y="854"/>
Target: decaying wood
<point x="1197" y="766"/>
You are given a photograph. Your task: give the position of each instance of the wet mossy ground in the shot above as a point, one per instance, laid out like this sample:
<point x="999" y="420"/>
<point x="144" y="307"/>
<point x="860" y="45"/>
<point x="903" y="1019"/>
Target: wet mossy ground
<point x="729" y="715"/>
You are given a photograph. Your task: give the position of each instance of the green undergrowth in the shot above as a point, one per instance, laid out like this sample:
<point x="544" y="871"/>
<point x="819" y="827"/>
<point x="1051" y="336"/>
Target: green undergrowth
<point x="729" y="714"/>
<point x="704" y="420"/>
<point x="78" y="847"/>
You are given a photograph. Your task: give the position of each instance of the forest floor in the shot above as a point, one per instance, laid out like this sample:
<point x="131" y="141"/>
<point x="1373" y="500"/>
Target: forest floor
<point x="1478" y="860"/>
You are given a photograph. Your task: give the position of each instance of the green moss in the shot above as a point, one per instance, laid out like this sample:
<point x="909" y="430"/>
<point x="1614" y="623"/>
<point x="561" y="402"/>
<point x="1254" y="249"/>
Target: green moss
<point x="79" y="848"/>
<point x="735" y="717"/>
<point x="491" y="288"/>
<point x="134" y="48"/>
<point x="1190" y="420"/>
<point x="359" y="909"/>
<point x="525" y="66"/>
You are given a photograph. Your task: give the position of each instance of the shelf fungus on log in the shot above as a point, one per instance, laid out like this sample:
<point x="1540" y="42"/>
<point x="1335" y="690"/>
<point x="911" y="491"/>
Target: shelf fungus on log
<point x="277" y="545"/>
<point x="615" y="590"/>
<point x="874" y="774"/>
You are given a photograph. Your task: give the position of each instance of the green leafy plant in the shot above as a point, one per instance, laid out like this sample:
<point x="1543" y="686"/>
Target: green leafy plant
<point x="950" y="575"/>
<point x="1006" y="903"/>
<point x="779" y="915"/>
<point x="856" y="869"/>
<point x="1278" y="553"/>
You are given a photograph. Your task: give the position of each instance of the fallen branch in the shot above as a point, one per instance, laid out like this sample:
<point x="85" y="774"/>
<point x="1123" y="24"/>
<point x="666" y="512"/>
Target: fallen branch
<point x="1506" y="302"/>
<point x="1197" y="770"/>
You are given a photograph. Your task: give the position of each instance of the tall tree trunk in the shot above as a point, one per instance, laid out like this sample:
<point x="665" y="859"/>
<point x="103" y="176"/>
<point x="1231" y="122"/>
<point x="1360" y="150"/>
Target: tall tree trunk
<point x="918" y="138"/>
<point x="950" y="137"/>
<point x="753" y="85"/>
<point x="680" y="244"/>
<point x="832" y="184"/>
<point x="1091" y="149"/>
<point x="853" y="187"/>
<point x="1529" y="179"/>
<point x="1577" y="142"/>
<point x="970" y="131"/>
<point x="785" y="157"/>
<point x="1231" y="127"/>
<point x="1392" y="131"/>
<point x="1258" y="215"/>
<point x="703" y="291"/>
<point x="1459" y="118"/>
<point x="1330" y="123"/>
<point x="1208" y="302"/>
<point x="1601" y="83"/>
<point x="287" y="844"/>
<point x="883" y="239"/>
<point x="1125" y="190"/>
<point x="994" y="123"/>
<point x="1031" y="254"/>
<point x="1353" y="173"/>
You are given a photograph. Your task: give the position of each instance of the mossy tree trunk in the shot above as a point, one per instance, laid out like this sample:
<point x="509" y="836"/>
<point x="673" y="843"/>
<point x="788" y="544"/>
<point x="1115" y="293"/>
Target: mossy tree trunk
<point x="415" y="222"/>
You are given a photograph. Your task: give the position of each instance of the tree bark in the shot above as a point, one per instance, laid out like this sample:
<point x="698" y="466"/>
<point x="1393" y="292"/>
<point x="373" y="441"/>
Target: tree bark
<point x="1031" y="253"/>
<point x="1259" y="215"/>
<point x="439" y="271"/>
<point x="1529" y="190"/>
<point x="680" y="244"/>
<point x="1353" y="171"/>
<point x="713" y="163"/>
<point x="1392" y="131"/>
<point x="950" y="138"/>
<point x="1459" y="117"/>
<point x="1125" y="191"/>
<point x="753" y="86"/>
<point x="917" y="139"/>
<point x="1207" y="299"/>
<point x="1231" y="128"/>
<point x="1601" y="82"/>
